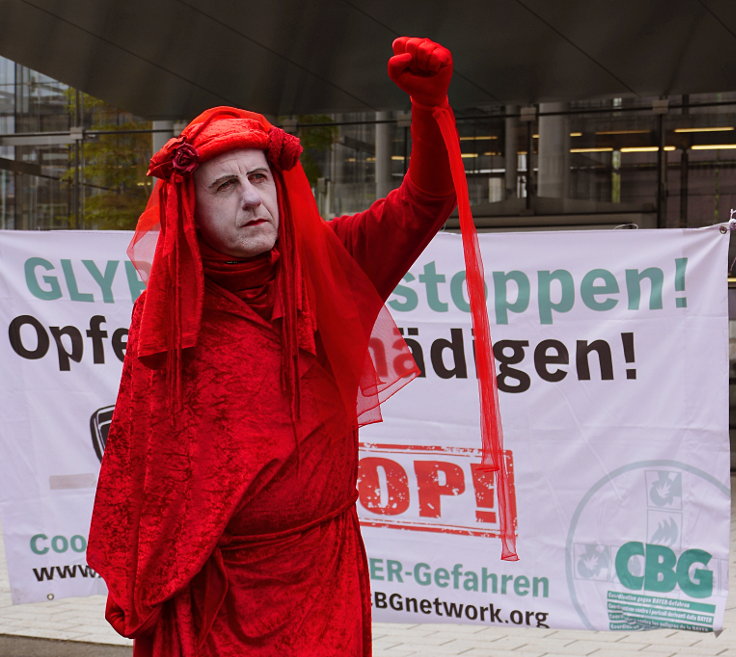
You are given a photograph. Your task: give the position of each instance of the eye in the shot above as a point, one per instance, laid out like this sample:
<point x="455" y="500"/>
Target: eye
<point x="258" y="177"/>
<point x="226" y="184"/>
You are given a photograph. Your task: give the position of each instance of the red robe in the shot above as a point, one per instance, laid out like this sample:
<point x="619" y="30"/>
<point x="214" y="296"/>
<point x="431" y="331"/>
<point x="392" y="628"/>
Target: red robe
<point x="246" y="540"/>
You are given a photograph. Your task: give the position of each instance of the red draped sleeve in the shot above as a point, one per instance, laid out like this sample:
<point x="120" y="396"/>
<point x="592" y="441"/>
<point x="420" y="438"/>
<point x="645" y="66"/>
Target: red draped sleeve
<point x="388" y="237"/>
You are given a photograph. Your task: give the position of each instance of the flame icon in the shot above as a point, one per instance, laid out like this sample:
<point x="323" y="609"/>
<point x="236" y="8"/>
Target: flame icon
<point x="667" y="532"/>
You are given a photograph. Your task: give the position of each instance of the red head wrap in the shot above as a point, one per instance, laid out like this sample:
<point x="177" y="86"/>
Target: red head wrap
<point x="317" y="279"/>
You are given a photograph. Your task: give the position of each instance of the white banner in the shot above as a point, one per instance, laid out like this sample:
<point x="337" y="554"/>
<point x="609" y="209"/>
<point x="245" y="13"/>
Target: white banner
<point x="612" y="357"/>
<point x="66" y="302"/>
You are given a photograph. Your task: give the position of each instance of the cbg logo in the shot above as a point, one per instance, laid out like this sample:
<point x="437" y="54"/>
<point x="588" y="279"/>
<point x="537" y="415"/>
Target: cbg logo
<point x="663" y="570"/>
<point x="633" y="553"/>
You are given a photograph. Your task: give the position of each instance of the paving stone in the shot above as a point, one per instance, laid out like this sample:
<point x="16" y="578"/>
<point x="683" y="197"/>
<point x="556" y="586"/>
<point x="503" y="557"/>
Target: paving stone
<point x="466" y="644"/>
<point x="31" y="647"/>
<point x="557" y="653"/>
<point x="421" y="640"/>
<point x="54" y="634"/>
<point x="583" y="647"/>
<point x="435" y="651"/>
<point x="654" y="649"/>
<point x="713" y="650"/>
<point x="488" y="652"/>
<point x="110" y="639"/>
<point x="386" y="643"/>
<point x="610" y="651"/>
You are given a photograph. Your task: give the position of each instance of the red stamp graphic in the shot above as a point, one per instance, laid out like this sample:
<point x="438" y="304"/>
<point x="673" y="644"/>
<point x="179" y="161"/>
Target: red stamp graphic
<point x="429" y="489"/>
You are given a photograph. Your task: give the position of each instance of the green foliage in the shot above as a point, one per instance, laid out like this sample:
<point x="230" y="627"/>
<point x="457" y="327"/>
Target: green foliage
<point x="316" y="141"/>
<point x="109" y="168"/>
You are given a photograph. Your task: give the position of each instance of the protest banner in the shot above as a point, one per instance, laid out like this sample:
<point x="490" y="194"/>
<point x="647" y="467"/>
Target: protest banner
<point x="611" y="350"/>
<point x="66" y="302"/>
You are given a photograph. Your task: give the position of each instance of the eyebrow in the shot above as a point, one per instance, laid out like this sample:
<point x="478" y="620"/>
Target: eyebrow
<point x="229" y="176"/>
<point x="221" y="179"/>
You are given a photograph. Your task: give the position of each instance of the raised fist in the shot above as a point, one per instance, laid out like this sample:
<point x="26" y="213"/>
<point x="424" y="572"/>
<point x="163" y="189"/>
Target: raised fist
<point x="421" y="68"/>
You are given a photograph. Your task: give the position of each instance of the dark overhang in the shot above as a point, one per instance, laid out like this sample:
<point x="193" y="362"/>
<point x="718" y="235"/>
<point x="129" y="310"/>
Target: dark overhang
<point x="169" y="59"/>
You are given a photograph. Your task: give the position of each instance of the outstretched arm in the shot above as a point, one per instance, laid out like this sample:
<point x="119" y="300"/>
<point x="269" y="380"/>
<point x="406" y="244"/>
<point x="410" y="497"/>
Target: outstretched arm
<point x="423" y="69"/>
<point x="390" y="235"/>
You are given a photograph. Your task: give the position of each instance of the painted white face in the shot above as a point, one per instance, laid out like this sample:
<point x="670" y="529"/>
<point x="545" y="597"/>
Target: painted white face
<point x="237" y="209"/>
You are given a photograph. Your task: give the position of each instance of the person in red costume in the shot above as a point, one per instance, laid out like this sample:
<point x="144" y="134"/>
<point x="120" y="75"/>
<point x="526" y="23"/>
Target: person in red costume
<point x="224" y="522"/>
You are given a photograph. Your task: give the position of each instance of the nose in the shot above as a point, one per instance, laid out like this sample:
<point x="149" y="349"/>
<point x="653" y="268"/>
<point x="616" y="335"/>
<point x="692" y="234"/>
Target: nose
<point x="250" y="197"/>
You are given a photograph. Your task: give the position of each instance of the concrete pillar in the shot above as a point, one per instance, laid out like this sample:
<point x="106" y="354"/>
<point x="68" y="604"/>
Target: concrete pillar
<point x="158" y="139"/>
<point x="383" y="155"/>
<point x="554" y="152"/>
<point x="3" y="205"/>
<point x="511" y="159"/>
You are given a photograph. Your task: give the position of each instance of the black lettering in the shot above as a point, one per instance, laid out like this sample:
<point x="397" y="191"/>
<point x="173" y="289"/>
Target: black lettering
<point x="394" y="602"/>
<point x="90" y="572"/>
<point x="65" y="571"/>
<point x="62" y="572"/>
<point x="517" y="618"/>
<point x="43" y="574"/>
<point x="416" y="349"/>
<point x="379" y="599"/>
<point x="495" y="613"/>
<point x="603" y="349"/>
<point x="412" y="605"/>
<point x="456" y="345"/>
<point x="75" y="342"/>
<point x="42" y="338"/>
<point x="120" y="343"/>
<point x="453" y="609"/>
<point x="542" y="360"/>
<point x="541" y="617"/>
<point x="96" y="333"/>
<point x="507" y="375"/>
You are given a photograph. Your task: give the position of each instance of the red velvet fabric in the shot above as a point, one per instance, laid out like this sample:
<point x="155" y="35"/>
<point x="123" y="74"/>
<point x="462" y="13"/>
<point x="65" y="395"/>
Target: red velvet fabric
<point x="250" y="280"/>
<point x="222" y="532"/>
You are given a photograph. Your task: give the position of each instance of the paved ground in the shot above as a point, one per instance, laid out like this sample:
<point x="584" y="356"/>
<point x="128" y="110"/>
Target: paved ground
<point x="75" y="627"/>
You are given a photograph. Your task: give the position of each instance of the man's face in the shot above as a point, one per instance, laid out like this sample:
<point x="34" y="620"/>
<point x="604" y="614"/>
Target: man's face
<point x="237" y="209"/>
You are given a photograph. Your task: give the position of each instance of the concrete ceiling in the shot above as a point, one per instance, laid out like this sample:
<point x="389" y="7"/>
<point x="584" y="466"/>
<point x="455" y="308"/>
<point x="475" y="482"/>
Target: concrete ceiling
<point x="169" y="59"/>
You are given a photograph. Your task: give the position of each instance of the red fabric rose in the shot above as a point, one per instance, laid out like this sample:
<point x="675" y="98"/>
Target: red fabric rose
<point x="176" y="159"/>
<point x="186" y="158"/>
<point x="283" y="149"/>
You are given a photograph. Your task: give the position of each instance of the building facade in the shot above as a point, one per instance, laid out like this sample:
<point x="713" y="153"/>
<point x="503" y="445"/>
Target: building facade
<point x="68" y="160"/>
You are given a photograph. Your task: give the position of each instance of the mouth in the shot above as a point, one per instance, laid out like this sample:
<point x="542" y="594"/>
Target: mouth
<point x="256" y="222"/>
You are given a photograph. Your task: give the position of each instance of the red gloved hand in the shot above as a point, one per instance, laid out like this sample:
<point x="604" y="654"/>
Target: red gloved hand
<point x="421" y="68"/>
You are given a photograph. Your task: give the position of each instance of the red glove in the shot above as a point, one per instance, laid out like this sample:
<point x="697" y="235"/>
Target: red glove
<point x="421" y="68"/>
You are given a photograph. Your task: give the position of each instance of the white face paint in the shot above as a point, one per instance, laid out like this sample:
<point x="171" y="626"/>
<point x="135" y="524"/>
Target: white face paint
<point x="237" y="208"/>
